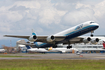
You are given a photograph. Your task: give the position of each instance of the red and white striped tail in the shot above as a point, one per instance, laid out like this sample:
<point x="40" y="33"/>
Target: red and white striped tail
<point x="103" y="44"/>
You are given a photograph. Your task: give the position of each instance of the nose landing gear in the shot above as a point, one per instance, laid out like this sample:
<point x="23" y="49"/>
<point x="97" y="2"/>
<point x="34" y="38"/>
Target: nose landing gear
<point x="92" y="34"/>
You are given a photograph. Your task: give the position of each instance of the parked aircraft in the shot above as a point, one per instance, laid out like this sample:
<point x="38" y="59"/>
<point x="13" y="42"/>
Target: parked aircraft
<point x="69" y="36"/>
<point x="46" y="50"/>
<point x="62" y="50"/>
<point x="40" y="50"/>
<point x="2" y="50"/>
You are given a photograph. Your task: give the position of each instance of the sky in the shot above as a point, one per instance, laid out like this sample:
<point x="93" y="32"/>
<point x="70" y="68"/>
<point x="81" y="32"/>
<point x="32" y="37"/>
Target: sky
<point x="47" y="17"/>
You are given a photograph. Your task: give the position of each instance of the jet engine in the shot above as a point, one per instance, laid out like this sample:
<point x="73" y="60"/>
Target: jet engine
<point x="95" y="41"/>
<point x="33" y="38"/>
<point x="50" y="38"/>
<point x="87" y="40"/>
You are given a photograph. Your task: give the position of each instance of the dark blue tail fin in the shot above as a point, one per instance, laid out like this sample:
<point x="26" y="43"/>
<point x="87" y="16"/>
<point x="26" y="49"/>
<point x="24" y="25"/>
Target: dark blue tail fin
<point x="28" y="47"/>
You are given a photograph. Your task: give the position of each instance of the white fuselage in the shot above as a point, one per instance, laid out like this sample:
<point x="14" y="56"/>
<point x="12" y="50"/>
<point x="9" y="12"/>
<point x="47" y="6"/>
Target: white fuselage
<point x="63" y="50"/>
<point x="72" y="33"/>
<point x="2" y="50"/>
<point x="37" y="50"/>
<point x="75" y="29"/>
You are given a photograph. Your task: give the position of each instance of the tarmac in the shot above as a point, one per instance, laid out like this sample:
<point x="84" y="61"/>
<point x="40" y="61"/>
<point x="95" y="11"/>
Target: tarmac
<point x="55" y="56"/>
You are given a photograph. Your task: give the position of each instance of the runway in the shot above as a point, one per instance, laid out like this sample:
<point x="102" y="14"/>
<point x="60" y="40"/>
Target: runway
<point x="94" y="56"/>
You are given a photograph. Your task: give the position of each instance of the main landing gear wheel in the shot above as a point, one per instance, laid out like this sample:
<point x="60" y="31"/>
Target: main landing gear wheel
<point x="91" y="35"/>
<point x="68" y="47"/>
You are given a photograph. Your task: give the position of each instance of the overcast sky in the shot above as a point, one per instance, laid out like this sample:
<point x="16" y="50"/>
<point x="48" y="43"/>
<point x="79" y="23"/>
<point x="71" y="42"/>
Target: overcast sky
<point x="47" y="17"/>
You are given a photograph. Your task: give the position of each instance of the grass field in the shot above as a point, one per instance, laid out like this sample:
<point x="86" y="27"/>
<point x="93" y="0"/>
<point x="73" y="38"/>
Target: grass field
<point x="52" y="64"/>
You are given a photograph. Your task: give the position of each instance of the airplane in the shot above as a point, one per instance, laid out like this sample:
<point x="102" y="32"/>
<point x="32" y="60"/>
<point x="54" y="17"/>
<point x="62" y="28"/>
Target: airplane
<point x="69" y="36"/>
<point x="40" y="50"/>
<point x="62" y="50"/>
<point x="46" y="50"/>
<point x="2" y="50"/>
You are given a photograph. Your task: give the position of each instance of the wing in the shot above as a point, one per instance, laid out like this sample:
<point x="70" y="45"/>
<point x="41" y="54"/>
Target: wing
<point x="16" y="36"/>
<point x="39" y="38"/>
<point x="75" y="40"/>
<point x="43" y="38"/>
<point x="57" y="39"/>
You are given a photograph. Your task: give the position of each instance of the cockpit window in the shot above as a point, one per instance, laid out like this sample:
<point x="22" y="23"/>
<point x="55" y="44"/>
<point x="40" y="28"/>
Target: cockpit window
<point x="91" y="22"/>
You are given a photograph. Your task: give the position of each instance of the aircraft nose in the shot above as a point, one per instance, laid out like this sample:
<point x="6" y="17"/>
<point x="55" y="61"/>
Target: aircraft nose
<point x="96" y="25"/>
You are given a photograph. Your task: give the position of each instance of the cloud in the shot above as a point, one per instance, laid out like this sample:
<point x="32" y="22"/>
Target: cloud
<point x="72" y="1"/>
<point x="99" y="9"/>
<point x="24" y="15"/>
<point x="17" y="8"/>
<point x="47" y="16"/>
<point x="28" y="14"/>
<point x="79" y="16"/>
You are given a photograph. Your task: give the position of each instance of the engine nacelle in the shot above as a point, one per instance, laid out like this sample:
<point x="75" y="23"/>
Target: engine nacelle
<point x="33" y="38"/>
<point x="95" y="41"/>
<point x="87" y="40"/>
<point x="50" y="38"/>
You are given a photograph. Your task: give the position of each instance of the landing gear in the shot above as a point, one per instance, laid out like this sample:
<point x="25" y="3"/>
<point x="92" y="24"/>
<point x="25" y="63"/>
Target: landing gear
<point x="69" y="46"/>
<point x="55" y="46"/>
<point x="92" y="34"/>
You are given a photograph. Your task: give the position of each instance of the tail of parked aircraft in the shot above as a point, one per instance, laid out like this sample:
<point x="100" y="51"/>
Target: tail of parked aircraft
<point x="28" y="47"/>
<point x="103" y="44"/>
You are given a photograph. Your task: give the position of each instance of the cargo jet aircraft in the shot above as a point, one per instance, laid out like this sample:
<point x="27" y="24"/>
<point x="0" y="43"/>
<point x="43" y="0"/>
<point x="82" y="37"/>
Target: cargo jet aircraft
<point x="69" y="36"/>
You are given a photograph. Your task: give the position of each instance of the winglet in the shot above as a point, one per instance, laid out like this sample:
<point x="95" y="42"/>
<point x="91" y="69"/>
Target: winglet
<point x="103" y="44"/>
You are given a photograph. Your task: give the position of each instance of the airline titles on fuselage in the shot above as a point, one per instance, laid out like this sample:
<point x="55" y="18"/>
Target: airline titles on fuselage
<point x="79" y="27"/>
